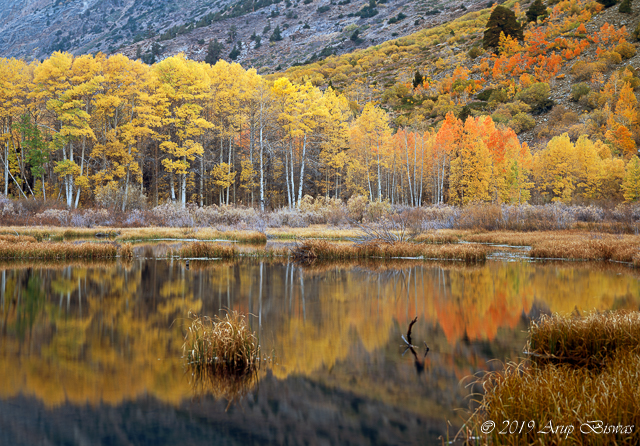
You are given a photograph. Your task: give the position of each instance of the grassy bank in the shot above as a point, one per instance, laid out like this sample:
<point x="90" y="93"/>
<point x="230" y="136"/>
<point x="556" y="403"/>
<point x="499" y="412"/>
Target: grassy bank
<point x="323" y="250"/>
<point x="433" y="244"/>
<point x="28" y="248"/>
<point x="212" y="250"/>
<point x="581" y="378"/>
<point x="54" y="233"/>
<point x="571" y="245"/>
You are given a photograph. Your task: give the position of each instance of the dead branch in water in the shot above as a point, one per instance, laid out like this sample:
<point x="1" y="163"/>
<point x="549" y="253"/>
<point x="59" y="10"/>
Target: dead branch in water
<point x="418" y="363"/>
<point x="408" y="339"/>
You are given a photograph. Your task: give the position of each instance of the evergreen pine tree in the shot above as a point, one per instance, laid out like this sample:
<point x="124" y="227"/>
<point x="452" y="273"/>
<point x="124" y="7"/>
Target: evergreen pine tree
<point x="213" y="52"/>
<point x="464" y="113"/>
<point x="235" y="52"/>
<point x="276" y="35"/>
<point x="418" y="79"/>
<point x="537" y="9"/>
<point x="625" y="7"/>
<point x="502" y="20"/>
<point x="607" y="3"/>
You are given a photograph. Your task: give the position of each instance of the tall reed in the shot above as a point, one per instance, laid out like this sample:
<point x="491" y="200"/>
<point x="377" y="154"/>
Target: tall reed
<point x="591" y="339"/>
<point x="221" y="344"/>
<point x="579" y="387"/>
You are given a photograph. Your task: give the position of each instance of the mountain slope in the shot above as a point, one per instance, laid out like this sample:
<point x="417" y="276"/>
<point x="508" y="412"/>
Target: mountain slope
<point x="310" y="29"/>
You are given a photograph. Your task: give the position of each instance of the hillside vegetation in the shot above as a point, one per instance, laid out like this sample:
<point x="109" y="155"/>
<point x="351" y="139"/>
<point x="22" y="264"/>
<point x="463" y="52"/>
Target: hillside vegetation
<point x="236" y="30"/>
<point x="113" y="132"/>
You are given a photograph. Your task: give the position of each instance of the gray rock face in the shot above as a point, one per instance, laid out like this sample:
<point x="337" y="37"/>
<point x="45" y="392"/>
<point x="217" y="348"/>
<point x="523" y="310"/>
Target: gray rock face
<point x="33" y="29"/>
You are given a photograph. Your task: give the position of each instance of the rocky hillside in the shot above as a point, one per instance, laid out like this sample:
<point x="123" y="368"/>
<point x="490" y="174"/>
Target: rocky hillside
<point x="245" y="29"/>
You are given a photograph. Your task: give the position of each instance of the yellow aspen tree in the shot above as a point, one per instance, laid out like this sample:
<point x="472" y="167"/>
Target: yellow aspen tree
<point x="223" y="177"/>
<point x="371" y="137"/>
<point x="631" y="183"/>
<point x="14" y="78"/>
<point x="622" y="121"/>
<point x="556" y="169"/>
<point x="285" y="96"/>
<point x="86" y="80"/>
<point x="65" y="94"/>
<point x="335" y="138"/>
<point x="613" y="176"/>
<point x="589" y="168"/>
<point x="184" y="84"/>
<point x="248" y="176"/>
<point x="470" y="176"/>
<point x="126" y="112"/>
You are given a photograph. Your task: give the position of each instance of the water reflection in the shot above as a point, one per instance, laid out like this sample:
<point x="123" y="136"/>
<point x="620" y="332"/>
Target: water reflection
<point x="110" y="333"/>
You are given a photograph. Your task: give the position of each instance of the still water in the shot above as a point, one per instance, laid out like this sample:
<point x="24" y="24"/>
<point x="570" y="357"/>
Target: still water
<point x="90" y="353"/>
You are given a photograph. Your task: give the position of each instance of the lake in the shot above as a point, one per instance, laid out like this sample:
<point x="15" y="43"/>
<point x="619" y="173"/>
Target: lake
<point x="90" y="353"/>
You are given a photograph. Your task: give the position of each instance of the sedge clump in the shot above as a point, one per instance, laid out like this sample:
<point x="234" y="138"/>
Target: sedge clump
<point x="221" y="344"/>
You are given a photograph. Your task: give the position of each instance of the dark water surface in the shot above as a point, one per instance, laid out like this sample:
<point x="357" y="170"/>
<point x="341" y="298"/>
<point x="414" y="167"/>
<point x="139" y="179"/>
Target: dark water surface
<point x="90" y="353"/>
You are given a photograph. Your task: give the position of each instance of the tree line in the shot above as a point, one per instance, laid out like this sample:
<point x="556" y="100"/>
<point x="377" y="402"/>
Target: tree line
<point x="116" y="132"/>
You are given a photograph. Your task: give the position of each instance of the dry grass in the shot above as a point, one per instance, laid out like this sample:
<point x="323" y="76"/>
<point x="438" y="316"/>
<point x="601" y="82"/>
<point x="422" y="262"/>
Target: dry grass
<point x="267" y="253"/>
<point x="209" y="250"/>
<point x="221" y="345"/>
<point x="126" y="251"/>
<point x="313" y="231"/>
<point x="519" y="238"/>
<point x="134" y="234"/>
<point x="588" y="248"/>
<point x="573" y="245"/>
<point x="563" y="396"/>
<point x="55" y="251"/>
<point x="583" y="375"/>
<point x="437" y="238"/>
<point x="323" y="250"/>
<point x="591" y="339"/>
<point x="17" y="238"/>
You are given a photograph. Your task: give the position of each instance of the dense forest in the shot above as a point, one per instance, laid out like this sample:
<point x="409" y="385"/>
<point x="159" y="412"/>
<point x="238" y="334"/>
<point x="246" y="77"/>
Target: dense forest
<point x="117" y="133"/>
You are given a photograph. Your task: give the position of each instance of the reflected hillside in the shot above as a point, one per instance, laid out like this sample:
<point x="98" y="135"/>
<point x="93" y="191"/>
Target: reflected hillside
<point x="110" y="333"/>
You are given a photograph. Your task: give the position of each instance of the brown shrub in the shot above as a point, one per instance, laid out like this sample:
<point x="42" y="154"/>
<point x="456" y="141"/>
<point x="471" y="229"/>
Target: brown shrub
<point x="584" y="71"/>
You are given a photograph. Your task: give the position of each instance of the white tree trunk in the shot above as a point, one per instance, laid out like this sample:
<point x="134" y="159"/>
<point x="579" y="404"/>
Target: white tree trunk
<point x="304" y="151"/>
<point x="261" y="168"/>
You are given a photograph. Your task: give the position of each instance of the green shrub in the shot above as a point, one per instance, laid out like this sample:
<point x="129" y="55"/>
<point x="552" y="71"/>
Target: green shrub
<point x="475" y="51"/>
<point x="579" y="90"/>
<point x="522" y="122"/>
<point x="498" y="97"/>
<point x="484" y="95"/>
<point x="625" y="7"/>
<point x="537" y="96"/>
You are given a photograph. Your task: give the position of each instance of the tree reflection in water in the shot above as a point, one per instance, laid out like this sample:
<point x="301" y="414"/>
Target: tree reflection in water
<point x="107" y="333"/>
